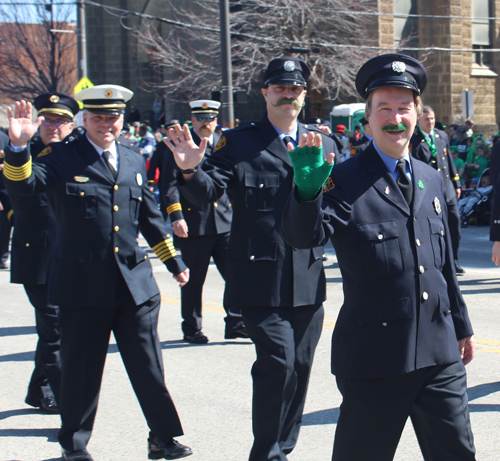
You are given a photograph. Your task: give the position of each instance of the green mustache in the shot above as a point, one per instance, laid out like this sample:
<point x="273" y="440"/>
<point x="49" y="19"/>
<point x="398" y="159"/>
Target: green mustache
<point x="399" y="127"/>
<point x="289" y="101"/>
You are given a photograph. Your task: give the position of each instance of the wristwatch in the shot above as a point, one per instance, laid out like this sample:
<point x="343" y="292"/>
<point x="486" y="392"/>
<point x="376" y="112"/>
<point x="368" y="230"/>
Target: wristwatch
<point x="190" y="170"/>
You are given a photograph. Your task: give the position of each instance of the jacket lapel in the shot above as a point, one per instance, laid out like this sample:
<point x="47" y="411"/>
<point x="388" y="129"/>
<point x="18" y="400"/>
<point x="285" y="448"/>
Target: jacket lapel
<point x="94" y="160"/>
<point x="272" y="142"/>
<point x="420" y="183"/>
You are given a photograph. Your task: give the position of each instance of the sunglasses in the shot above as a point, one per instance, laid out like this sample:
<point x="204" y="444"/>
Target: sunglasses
<point x="204" y="119"/>
<point x="57" y="123"/>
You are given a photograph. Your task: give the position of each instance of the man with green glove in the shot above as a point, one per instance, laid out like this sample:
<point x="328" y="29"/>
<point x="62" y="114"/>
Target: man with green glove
<point x="280" y="289"/>
<point x="403" y="334"/>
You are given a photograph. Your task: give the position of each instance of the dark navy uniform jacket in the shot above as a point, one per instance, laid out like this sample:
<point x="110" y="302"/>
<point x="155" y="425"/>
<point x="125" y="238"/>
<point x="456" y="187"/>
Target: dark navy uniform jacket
<point x="212" y="218"/>
<point x="251" y="163"/>
<point x="360" y="145"/>
<point x="402" y="308"/>
<point x="98" y="220"/>
<point x="442" y="162"/>
<point x="34" y="234"/>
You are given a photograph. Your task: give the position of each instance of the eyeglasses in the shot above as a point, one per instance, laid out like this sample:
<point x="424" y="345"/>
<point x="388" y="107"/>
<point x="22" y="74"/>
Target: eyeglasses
<point x="57" y="123"/>
<point x="204" y="119"/>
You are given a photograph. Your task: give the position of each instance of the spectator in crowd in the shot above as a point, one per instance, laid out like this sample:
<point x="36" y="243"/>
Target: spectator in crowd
<point x="466" y="204"/>
<point x="159" y="108"/>
<point x="459" y="164"/>
<point x="468" y="127"/>
<point x="147" y="142"/>
<point x="357" y="132"/>
<point x="133" y="115"/>
<point x="462" y="143"/>
<point x="477" y="159"/>
<point x="364" y="141"/>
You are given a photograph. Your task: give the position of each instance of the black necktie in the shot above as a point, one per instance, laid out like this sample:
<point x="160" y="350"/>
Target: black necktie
<point x="403" y="181"/>
<point x="106" y="154"/>
<point x="288" y="139"/>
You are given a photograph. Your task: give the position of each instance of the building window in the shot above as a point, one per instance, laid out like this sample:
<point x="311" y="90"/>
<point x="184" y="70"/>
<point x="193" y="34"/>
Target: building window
<point x="405" y="28"/>
<point x="481" y="31"/>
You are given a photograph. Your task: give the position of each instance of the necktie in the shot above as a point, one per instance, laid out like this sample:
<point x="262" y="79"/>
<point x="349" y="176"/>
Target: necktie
<point x="403" y="181"/>
<point x="106" y="154"/>
<point x="288" y="139"/>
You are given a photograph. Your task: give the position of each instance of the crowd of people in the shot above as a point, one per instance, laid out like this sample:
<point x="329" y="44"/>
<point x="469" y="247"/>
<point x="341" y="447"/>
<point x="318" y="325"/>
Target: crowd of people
<point x="261" y="200"/>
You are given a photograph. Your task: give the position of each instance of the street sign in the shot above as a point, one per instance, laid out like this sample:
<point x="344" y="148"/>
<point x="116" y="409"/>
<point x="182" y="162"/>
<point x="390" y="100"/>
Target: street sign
<point x="467" y="103"/>
<point x="82" y="84"/>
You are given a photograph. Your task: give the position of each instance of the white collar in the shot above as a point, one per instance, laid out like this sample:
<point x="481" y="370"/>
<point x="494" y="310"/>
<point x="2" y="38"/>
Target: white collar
<point x="100" y="150"/>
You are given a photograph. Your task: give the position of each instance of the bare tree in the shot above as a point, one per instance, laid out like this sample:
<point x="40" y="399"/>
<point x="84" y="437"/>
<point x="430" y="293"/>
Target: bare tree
<point x="325" y="33"/>
<point x="34" y="57"/>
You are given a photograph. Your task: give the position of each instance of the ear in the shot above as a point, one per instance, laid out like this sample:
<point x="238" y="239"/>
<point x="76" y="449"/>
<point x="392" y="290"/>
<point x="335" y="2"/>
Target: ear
<point x="264" y="92"/>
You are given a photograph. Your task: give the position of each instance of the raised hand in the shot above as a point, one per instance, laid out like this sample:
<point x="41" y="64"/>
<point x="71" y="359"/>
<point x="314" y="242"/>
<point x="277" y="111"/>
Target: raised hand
<point x="310" y="169"/>
<point x="21" y="127"/>
<point x="187" y="154"/>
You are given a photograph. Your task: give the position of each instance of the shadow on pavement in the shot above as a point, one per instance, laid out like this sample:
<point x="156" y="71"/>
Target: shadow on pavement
<point x="18" y="357"/>
<point x="16" y="331"/>
<point x="50" y="434"/>
<point x="330" y="416"/>
<point x="19" y="412"/>
<point x="482" y="390"/>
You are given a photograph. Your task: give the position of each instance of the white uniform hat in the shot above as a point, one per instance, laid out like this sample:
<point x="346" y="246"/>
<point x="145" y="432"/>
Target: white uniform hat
<point x="205" y="108"/>
<point x="105" y="99"/>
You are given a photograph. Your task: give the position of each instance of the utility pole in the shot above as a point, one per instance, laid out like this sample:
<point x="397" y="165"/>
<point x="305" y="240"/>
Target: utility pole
<point x="82" y="41"/>
<point x="226" y="71"/>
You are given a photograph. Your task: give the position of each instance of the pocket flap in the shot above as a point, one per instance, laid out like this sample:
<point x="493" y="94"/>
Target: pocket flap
<point x="136" y="193"/>
<point x="383" y="314"/>
<point x="254" y="250"/>
<point x="262" y="180"/>
<point x="436" y="225"/>
<point x="81" y="190"/>
<point x="379" y="231"/>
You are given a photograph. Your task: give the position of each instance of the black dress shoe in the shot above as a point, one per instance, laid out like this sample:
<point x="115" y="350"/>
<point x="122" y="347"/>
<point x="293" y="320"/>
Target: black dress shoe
<point x="167" y="450"/>
<point x="74" y="455"/>
<point x="48" y="404"/>
<point x="196" y="338"/>
<point x="240" y="332"/>
<point x="459" y="269"/>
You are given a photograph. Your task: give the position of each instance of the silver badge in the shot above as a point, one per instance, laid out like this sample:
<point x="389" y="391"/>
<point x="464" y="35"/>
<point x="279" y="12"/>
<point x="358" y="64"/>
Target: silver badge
<point x="398" y="66"/>
<point x="81" y="179"/>
<point x="387" y="190"/>
<point x="289" y="66"/>
<point x="138" y="178"/>
<point x="437" y="205"/>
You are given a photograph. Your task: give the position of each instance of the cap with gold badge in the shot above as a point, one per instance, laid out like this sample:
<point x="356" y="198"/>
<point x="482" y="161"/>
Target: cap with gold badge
<point x="105" y="99"/>
<point x="56" y="103"/>
<point x="204" y="109"/>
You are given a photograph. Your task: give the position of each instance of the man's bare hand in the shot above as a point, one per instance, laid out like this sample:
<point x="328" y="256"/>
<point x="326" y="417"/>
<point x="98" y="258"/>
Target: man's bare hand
<point x="495" y="255"/>
<point x="21" y="127"/>
<point x="467" y="348"/>
<point x="187" y="154"/>
<point x="180" y="228"/>
<point x="182" y="278"/>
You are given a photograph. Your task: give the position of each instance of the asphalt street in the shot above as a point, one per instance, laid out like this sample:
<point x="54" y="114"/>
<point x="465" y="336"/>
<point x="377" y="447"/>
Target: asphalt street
<point x="211" y="384"/>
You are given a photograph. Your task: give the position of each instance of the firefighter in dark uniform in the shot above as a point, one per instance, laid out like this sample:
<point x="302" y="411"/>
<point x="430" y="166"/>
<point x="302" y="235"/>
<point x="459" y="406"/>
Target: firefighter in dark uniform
<point x="431" y="146"/>
<point x="201" y="232"/>
<point x="32" y="242"/>
<point x="280" y="289"/>
<point x="102" y="280"/>
<point x="364" y="141"/>
<point x="403" y="334"/>
<point x="5" y="210"/>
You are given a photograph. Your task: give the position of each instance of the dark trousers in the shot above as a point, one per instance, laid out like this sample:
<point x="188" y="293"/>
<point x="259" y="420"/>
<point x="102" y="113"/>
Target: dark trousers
<point x="454" y="223"/>
<point x="46" y="378"/>
<point x="5" y="230"/>
<point x="374" y="412"/>
<point x="196" y="253"/>
<point x="85" y="336"/>
<point x="285" y="340"/>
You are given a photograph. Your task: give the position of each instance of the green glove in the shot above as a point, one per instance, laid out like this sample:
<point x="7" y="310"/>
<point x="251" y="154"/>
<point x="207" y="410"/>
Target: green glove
<point x="310" y="171"/>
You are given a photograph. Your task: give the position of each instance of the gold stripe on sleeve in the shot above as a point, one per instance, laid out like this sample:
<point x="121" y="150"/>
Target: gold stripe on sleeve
<point x="174" y="207"/>
<point x="17" y="173"/>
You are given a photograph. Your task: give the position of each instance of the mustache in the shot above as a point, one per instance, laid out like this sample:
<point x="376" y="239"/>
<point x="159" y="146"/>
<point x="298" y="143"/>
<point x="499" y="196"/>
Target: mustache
<point x="289" y="101"/>
<point x="399" y="127"/>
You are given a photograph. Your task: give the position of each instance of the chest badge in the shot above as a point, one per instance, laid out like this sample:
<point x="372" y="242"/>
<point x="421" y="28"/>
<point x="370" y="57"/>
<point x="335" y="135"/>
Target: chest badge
<point x="437" y="205"/>
<point x="138" y="178"/>
<point x="81" y="179"/>
<point x="387" y="190"/>
<point x="420" y="184"/>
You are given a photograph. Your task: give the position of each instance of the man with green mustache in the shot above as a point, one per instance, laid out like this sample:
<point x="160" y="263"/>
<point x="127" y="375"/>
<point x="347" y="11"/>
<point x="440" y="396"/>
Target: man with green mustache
<point x="403" y="334"/>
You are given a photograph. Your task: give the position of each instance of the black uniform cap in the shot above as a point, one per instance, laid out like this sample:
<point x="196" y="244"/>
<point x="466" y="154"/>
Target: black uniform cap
<point x="391" y="70"/>
<point x="286" y="70"/>
<point x="56" y="103"/>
